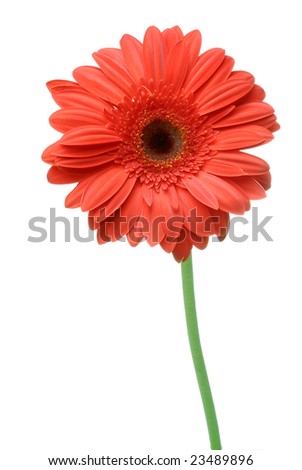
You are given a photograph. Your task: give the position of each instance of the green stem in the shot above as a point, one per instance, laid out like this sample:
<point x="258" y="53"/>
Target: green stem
<point x="198" y="359"/>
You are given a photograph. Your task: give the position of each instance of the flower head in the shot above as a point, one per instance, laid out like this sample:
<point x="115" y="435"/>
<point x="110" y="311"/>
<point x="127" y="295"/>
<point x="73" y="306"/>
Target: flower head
<point x="154" y="137"/>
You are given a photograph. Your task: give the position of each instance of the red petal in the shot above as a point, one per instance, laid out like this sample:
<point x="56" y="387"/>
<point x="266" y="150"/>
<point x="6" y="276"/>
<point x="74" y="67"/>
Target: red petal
<point x="132" y="51"/>
<point x="63" y="84"/>
<point x="216" y="167"/>
<point x="274" y="127"/>
<point x="58" y="86"/>
<point x="80" y="151"/>
<point x="97" y="83"/>
<point x="205" y="66"/>
<point x="220" y="75"/>
<point x="70" y="94"/>
<point x="267" y="122"/>
<point x="201" y="192"/>
<point x="248" y="163"/>
<point x="200" y="242"/>
<point x="172" y="36"/>
<point x="193" y="42"/>
<point x="57" y="175"/>
<point x="161" y="208"/>
<point x="244" y="113"/>
<point x="242" y="75"/>
<point x="89" y="135"/>
<point x="145" y="220"/>
<point x="176" y="66"/>
<point x="251" y="187"/>
<point x="222" y="226"/>
<point x="112" y="228"/>
<point x="135" y="234"/>
<point x="168" y="245"/>
<point x="233" y="182"/>
<point x="65" y="119"/>
<point x="229" y="199"/>
<point x="223" y="94"/>
<point x="114" y="69"/>
<point x="172" y="194"/>
<point x="183" y="247"/>
<point x="197" y="216"/>
<point x="86" y="162"/>
<point x="131" y="209"/>
<point x="219" y="114"/>
<point x="265" y="180"/>
<point x="161" y="205"/>
<point x="115" y="54"/>
<point x="48" y="156"/>
<point x="147" y="194"/>
<point x="154" y="54"/>
<point x="102" y="236"/>
<point x="241" y="137"/>
<point x="256" y="94"/>
<point x="105" y="184"/>
<point x="74" y="197"/>
<point x="110" y="206"/>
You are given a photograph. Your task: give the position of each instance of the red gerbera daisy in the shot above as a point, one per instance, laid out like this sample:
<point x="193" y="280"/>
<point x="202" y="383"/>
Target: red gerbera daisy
<point x="154" y="137"/>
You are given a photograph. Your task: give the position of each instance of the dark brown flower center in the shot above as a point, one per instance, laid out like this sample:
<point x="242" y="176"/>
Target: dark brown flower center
<point x="161" y="140"/>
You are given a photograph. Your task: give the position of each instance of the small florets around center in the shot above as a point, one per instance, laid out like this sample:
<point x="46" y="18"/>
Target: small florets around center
<point x="163" y="137"/>
<point x="161" y="140"/>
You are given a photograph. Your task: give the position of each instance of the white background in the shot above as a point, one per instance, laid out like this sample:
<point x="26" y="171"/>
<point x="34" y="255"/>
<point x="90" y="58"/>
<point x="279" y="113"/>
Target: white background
<point x="94" y="352"/>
